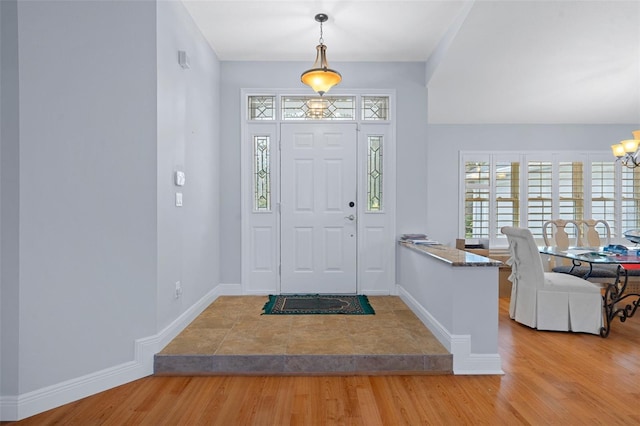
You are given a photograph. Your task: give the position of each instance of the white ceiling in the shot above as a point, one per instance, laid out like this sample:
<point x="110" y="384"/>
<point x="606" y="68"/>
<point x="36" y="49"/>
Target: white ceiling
<point x="512" y="61"/>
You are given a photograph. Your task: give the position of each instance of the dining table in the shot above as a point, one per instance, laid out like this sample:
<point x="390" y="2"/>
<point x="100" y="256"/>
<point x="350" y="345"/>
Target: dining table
<point x="617" y="301"/>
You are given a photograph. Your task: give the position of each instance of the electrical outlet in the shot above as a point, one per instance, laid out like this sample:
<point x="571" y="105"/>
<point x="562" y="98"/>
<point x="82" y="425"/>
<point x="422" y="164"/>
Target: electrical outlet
<point x="178" y="292"/>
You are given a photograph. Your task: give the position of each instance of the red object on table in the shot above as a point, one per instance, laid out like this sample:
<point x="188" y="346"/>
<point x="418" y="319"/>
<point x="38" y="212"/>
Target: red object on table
<point x="630" y="265"/>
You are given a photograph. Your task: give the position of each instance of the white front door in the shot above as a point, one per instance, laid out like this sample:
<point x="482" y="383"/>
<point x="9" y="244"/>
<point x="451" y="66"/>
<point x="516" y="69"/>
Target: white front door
<point x="318" y="212"/>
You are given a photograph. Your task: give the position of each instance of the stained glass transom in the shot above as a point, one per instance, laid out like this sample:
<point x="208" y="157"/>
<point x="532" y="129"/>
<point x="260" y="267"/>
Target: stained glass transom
<point x="375" y="107"/>
<point x="318" y="108"/>
<point x="374" y="173"/>
<point x="262" y="108"/>
<point x="261" y="173"/>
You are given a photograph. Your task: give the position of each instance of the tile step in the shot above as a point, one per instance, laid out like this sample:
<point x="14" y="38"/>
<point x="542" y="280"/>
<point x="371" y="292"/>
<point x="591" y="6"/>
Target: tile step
<point x="181" y="365"/>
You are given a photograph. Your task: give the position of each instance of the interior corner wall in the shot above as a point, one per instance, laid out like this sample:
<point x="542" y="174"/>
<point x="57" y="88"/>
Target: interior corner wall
<point x="188" y="141"/>
<point x="87" y="187"/>
<point x="9" y="198"/>
<point x="445" y="141"/>
<point x="408" y="81"/>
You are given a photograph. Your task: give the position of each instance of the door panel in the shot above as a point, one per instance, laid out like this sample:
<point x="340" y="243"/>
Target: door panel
<point x="318" y="226"/>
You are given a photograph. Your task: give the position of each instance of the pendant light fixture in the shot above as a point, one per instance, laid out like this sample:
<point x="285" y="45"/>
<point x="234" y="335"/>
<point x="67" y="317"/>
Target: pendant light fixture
<point x="627" y="151"/>
<point x="320" y="77"/>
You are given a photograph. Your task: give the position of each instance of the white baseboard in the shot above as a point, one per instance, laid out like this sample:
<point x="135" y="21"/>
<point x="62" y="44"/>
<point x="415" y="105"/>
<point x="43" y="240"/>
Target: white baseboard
<point x="427" y="319"/>
<point x="374" y="292"/>
<point x="464" y="362"/>
<point x="230" y="289"/>
<point x="28" y="404"/>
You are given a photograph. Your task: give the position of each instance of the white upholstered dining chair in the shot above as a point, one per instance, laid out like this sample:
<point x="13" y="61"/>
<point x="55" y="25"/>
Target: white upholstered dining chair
<point x="549" y="300"/>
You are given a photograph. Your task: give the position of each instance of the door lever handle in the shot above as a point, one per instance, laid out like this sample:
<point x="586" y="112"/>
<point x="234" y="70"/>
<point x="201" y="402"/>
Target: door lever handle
<point x="350" y="217"/>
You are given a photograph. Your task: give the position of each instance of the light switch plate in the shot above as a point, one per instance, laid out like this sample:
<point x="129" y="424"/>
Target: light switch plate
<point x="178" y="199"/>
<point x="179" y="178"/>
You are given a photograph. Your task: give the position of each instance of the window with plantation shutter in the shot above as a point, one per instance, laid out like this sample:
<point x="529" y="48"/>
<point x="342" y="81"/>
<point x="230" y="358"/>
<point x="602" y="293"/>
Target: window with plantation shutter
<point x="476" y="199"/>
<point x="570" y="193"/>
<point x="539" y="195"/>
<point x="570" y="190"/>
<point x="528" y="189"/>
<point x="630" y="199"/>
<point x="603" y="198"/>
<point x="507" y="210"/>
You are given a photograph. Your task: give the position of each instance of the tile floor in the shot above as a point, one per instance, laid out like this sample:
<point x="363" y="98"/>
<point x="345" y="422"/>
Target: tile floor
<point x="232" y="337"/>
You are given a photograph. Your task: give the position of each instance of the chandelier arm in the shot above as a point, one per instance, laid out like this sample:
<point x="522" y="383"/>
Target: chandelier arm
<point x="630" y="161"/>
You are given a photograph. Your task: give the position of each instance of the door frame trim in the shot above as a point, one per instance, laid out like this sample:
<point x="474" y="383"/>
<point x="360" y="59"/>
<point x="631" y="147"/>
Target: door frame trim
<point x="261" y="276"/>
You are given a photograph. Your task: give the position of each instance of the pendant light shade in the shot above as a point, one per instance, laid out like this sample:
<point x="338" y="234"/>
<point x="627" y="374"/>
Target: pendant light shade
<point x="320" y="77"/>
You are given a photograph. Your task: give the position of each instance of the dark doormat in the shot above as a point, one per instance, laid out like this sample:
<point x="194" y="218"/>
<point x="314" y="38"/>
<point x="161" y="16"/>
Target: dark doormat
<point x="308" y="304"/>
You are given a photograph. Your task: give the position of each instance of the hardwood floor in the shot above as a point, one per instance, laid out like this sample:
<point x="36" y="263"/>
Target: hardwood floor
<point x="550" y="378"/>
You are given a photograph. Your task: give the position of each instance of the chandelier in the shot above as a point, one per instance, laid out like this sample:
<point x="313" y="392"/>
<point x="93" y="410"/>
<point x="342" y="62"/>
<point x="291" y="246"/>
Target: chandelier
<point x="320" y="77"/>
<point x="627" y="151"/>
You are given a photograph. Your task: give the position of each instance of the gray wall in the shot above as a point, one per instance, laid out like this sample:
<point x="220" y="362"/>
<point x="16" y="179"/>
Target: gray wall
<point x="87" y="242"/>
<point x="446" y="141"/>
<point x="9" y="173"/>
<point x="91" y="238"/>
<point x="188" y="140"/>
<point x="407" y="79"/>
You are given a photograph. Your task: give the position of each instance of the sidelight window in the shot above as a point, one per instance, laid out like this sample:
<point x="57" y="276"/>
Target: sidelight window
<point x="374" y="173"/>
<point x="261" y="173"/>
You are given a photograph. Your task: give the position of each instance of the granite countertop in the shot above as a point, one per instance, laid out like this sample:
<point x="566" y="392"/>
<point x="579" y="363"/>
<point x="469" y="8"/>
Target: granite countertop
<point x="452" y="255"/>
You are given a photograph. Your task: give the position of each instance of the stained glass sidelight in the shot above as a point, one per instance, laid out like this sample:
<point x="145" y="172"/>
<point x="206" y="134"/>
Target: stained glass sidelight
<point x="375" y="108"/>
<point x="374" y="173"/>
<point x="262" y="173"/>
<point x="262" y="108"/>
